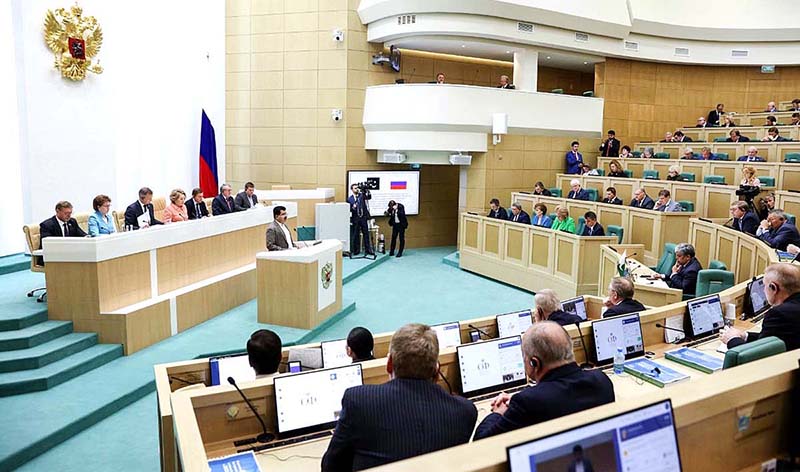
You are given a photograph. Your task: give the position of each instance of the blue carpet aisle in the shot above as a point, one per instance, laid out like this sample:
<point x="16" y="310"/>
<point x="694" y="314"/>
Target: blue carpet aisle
<point x="417" y="287"/>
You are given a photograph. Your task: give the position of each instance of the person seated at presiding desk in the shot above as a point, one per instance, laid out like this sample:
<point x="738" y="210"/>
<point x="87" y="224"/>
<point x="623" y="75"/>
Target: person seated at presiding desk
<point x="496" y="211"/>
<point x="540" y="217"/>
<point x="619" y="300"/>
<point x="548" y="308"/>
<point x="777" y="231"/>
<point x="62" y="224"/>
<point x="674" y="174"/>
<point x="577" y="193"/>
<point x="196" y="207"/>
<point x="715" y="115"/>
<point x="440" y="78"/>
<point x="749" y="177"/>
<point x="142" y="211"/>
<point x="744" y="220"/>
<point x="407" y="416"/>
<point x="625" y="152"/>
<point x="615" y="169"/>
<point x="642" y="200"/>
<point x="176" y="210"/>
<point x="611" y="197"/>
<point x="666" y="203"/>
<point x="279" y="237"/>
<point x="562" y="387"/>
<point x="264" y="353"/>
<point x="735" y="136"/>
<point x="752" y="156"/>
<point x="538" y="189"/>
<point x="574" y="159"/>
<point x="773" y="135"/>
<point x="563" y="221"/>
<point x="100" y="222"/>
<point x="360" y="345"/>
<point x="592" y="227"/>
<point x="504" y="83"/>
<point x="782" y="290"/>
<point x="223" y="203"/>
<point x="518" y="215"/>
<point x="247" y="199"/>
<point x="610" y="147"/>
<point x="684" y="272"/>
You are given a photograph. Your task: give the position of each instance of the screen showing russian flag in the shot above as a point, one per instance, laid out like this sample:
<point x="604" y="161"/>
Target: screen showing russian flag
<point x="399" y="185"/>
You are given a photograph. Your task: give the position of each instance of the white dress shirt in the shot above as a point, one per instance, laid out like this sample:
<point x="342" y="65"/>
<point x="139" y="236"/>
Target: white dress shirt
<point x="287" y="235"/>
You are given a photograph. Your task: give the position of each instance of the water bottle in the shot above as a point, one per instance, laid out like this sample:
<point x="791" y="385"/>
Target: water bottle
<point x="619" y="361"/>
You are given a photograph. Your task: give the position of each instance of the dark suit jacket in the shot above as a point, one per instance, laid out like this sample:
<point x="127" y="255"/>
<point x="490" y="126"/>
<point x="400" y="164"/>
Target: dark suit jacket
<point x="757" y="159"/>
<point x="545" y="193"/>
<point x="221" y="205"/>
<point x="617" y="174"/>
<point x="615" y="201"/>
<point x="742" y="139"/>
<point x="713" y="118"/>
<point x="747" y="224"/>
<point x="401" y="418"/>
<point x="196" y="210"/>
<point x="358" y="206"/>
<point x="686" y="278"/>
<point x="783" y="236"/>
<point x="241" y="201"/>
<point x="523" y="218"/>
<point x="563" y="318"/>
<point x="500" y="214"/>
<point x="52" y="227"/>
<point x="648" y="203"/>
<point x="582" y="195"/>
<point x="782" y="321"/>
<point x="597" y="231"/>
<point x="401" y="215"/>
<point x="587" y="466"/>
<point x="134" y="211"/>
<point x="507" y="86"/>
<point x="626" y="306"/>
<point x="610" y="148"/>
<point x="686" y="139"/>
<point x="562" y="391"/>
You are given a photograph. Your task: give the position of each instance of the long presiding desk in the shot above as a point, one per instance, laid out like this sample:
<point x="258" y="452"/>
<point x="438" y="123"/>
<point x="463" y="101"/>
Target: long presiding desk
<point x="137" y="288"/>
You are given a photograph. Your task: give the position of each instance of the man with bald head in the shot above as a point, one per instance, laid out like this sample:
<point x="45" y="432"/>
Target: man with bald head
<point x="561" y="389"/>
<point x="620" y="298"/>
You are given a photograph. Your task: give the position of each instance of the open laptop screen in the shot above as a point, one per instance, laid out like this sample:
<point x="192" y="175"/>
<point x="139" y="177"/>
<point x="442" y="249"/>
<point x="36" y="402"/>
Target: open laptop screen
<point x="576" y="306"/>
<point x="511" y="324"/>
<point x="489" y="366"/>
<point x="758" y="297"/>
<point x="705" y="316"/>
<point x="334" y="353"/>
<point x="449" y="334"/>
<point x="620" y="331"/>
<point x="236" y="366"/>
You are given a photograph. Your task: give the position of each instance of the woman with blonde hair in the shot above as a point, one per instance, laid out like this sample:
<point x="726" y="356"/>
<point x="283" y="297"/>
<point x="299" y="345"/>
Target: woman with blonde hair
<point x="750" y="179"/>
<point x="176" y="210"/>
<point x="674" y="173"/>
<point x="615" y="169"/>
<point x="563" y="221"/>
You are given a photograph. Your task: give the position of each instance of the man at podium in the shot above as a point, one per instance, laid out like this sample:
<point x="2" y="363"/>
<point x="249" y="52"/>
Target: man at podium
<point x="279" y="238"/>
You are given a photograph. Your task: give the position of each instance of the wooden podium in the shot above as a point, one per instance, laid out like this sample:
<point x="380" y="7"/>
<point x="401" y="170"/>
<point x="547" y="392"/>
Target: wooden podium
<point x="300" y="288"/>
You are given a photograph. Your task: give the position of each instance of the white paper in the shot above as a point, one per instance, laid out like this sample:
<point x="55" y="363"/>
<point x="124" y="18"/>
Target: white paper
<point x="673" y="322"/>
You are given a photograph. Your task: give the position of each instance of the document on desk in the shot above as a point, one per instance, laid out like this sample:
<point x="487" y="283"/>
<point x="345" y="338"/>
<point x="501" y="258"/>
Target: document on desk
<point x="695" y="359"/>
<point x="242" y="462"/>
<point x="675" y="322"/>
<point x="656" y="373"/>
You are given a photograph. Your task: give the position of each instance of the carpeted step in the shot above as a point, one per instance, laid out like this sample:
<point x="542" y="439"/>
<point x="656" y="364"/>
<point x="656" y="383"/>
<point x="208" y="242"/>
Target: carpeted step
<point x="18" y="320"/>
<point x="34" y="335"/>
<point x="452" y="259"/>
<point x="14" y="383"/>
<point x="47" y="353"/>
<point x="14" y="263"/>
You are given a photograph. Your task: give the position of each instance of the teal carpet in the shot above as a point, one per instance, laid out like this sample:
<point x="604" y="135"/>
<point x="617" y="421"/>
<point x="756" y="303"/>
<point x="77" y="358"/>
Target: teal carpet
<point x="418" y="287"/>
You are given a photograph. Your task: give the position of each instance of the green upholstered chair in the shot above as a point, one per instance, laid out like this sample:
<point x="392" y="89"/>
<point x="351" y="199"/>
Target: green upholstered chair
<point x="791" y="218"/>
<point x="710" y="281"/>
<point x="720" y="139"/>
<point x="508" y="212"/>
<point x="721" y="156"/>
<point x="555" y="191"/>
<point x="696" y="155"/>
<point x="592" y="194"/>
<point x="661" y="155"/>
<point x="667" y="259"/>
<point x="686" y="205"/>
<point x="650" y="174"/>
<point x="579" y="225"/>
<point x="601" y="172"/>
<point x="718" y="265"/>
<point x="753" y="351"/>
<point x="557" y="91"/>
<point x="688" y="176"/>
<point x="767" y="180"/>
<point x="588" y="93"/>
<point x="552" y="216"/>
<point x="618" y="231"/>
<point x="628" y="173"/>
<point x="792" y="157"/>
<point x="637" y="153"/>
<point x="714" y="179"/>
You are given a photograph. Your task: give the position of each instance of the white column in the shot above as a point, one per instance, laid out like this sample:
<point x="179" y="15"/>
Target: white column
<point x="462" y="189"/>
<point x="526" y="69"/>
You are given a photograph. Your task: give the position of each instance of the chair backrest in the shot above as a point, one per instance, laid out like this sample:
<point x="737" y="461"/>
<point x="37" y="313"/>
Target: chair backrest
<point x="555" y="191"/>
<point x="718" y="265"/>
<point x="767" y="181"/>
<point x="34" y="240"/>
<point x="592" y="194"/>
<point x="581" y="224"/>
<point x="714" y="179"/>
<point x="628" y="173"/>
<point x="667" y="259"/>
<point x="710" y="281"/>
<point x="749" y="352"/>
<point x="722" y="156"/>
<point x="687" y="205"/>
<point x="688" y="176"/>
<point x="790" y="217"/>
<point x="661" y="155"/>
<point x="552" y="216"/>
<point x="208" y="202"/>
<point x="509" y="213"/>
<point x="720" y="139"/>
<point x="617" y="231"/>
<point x="650" y="174"/>
<point x="637" y="153"/>
<point x="159" y="205"/>
<point x="791" y="157"/>
<point x="601" y="172"/>
<point x="696" y="155"/>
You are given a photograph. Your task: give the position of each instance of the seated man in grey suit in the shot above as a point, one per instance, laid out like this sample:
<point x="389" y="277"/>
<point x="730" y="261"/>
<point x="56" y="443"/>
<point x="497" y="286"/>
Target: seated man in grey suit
<point x="666" y="203"/>
<point x="279" y="237"/>
<point x="407" y="416"/>
<point x="247" y="199"/>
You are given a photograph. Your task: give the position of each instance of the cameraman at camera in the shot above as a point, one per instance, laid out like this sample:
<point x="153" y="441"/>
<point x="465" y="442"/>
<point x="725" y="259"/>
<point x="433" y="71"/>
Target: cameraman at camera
<point x="398" y="221"/>
<point x="359" y="214"/>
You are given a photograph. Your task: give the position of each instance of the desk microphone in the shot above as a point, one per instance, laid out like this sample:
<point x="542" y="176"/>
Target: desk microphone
<point x="480" y="331"/>
<point x="264" y="436"/>
<point x="587" y="364"/>
<point x="659" y="325"/>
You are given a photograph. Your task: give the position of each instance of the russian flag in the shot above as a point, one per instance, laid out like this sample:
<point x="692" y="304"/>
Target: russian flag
<point x="397" y="185"/>
<point x="208" y="158"/>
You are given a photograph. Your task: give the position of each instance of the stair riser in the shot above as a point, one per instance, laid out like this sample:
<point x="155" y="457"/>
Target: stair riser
<point x="40" y="338"/>
<point x="22" y="323"/>
<point x="15" y="365"/>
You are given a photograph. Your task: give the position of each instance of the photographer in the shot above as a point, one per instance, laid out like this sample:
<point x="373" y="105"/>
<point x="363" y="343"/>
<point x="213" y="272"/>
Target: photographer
<point x="359" y="214"/>
<point x="398" y="221"/>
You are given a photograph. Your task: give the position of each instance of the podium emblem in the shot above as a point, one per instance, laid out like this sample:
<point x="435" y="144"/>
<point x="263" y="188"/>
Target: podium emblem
<point x="326" y="275"/>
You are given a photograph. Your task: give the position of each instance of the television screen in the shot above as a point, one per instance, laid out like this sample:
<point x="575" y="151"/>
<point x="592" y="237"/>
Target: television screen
<point x="400" y="186"/>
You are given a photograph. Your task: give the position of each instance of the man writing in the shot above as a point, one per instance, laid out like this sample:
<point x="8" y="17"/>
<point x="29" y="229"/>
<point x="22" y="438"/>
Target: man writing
<point x="642" y="200"/>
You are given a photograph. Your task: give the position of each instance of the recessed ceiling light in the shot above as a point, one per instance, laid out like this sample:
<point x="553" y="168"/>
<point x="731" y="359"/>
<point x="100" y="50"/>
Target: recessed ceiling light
<point x="463" y="45"/>
<point x="508" y="52"/>
<point x="548" y="57"/>
<point x="585" y="62"/>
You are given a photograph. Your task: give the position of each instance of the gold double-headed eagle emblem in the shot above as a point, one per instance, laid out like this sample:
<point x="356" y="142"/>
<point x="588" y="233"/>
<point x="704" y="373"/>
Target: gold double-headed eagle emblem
<point x="74" y="39"/>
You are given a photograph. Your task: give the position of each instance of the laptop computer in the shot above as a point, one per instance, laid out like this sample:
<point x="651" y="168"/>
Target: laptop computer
<point x="449" y="334"/>
<point x="334" y="353"/>
<point x="755" y="301"/>
<point x="619" y="331"/>
<point x="491" y="366"/>
<point x="705" y="317"/>
<point x="576" y="306"/>
<point x="511" y="324"/>
<point x="235" y="365"/>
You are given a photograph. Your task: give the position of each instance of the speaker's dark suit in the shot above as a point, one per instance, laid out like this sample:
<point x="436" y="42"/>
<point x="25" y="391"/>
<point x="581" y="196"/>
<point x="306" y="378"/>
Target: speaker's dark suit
<point x="626" y="306"/>
<point x="782" y="321"/>
<point x="134" y="211"/>
<point x="241" y="202"/>
<point x="221" y="205"/>
<point x="196" y="210"/>
<point x="610" y="148"/>
<point x="686" y="278"/>
<point x="398" y="419"/>
<point x="562" y="391"/>
<point x="746" y="224"/>
<point x="398" y="228"/>
<point x="714" y="118"/>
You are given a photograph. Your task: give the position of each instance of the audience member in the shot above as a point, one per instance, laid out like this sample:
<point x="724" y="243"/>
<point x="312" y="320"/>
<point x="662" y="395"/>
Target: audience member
<point x="674" y="173"/>
<point x="360" y="344"/>
<point x="407" y="416"/>
<point x="735" y="136"/>
<point x="577" y="193"/>
<point x="778" y="231"/>
<point x="518" y="215"/>
<point x="625" y="152"/>
<point x="619" y="299"/>
<point x="538" y="189"/>
<point x="744" y="220"/>
<point x="504" y="83"/>
<point x="688" y="154"/>
<point x="615" y="169"/>
<point x="795" y="106"/>
<point x="591" y="227"/>
<point x="574" y="159"/>
<point x="223" y="203"/>
<point x="795" y="119"/>
<point x="705" y="154"/>
<point x="702" y="123"/>
<point x="611" y="197"/>
<point x="100" y="222"/>
<point x="176" y="210"/>
<point x="548" y="308"/>
<point x="563" y="221"/>
<point x="196" y="207"/>
<point x="247" y="199"/>
<point x="715" y="115"/>
<point x="642" y="200"/>
<point x="586" y="169"/>
<point x="440" y="78"/>
<point x="767" y="205"/>
<point x="752" y="155"/>
<point x="140" y="214"/>
<point x="668" y="137"/>
<point x="648" y="153"/>
<point x="782" y="289"/>
<point x="610" y="146"/>
<point x="549" y="361"/>
<point x="496" y="211"/>
<point x="666" y="203"/>
<point x="679" y="137"/>
<point x="264" y="353"/>
<point x="773" y="135"/>
<point x="727" y="122"/>
<point x="771" y="121"/>
<point x="684" y="272"/>
<point x="540" y="217"/>
<point x="279" y="237"/>
<point x="771" y="108"/>
<point x="750" y="179"/>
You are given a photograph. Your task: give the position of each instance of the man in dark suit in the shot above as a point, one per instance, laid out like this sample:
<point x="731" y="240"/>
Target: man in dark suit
<point x="610" y="147"/>
<point x="744" y="220"/>
<point x="777" y="231"/>
<point x="518" y="214"/>
<point x="679" y="137"/>
<point x="592" y="227"/>
<point x="574" y="159"/>
<point x="684" y="272"/>
<point x="264" y="353"/>
<point x="562" y="388"/>
<point x="773" y="135"/>
<point x="496" y="211"/>
<point x="577" y="193"/>
<point x="196" y="207"/>
<point x="735" y="136"/>
<point x="504" y="83"/>
<point x="579" y="462"/>
<point x="142" y="207"/>
<point x="795" y="105"/>
<point x="702" y="123"/>
<point x="715" y="115"/>
<point x="620" y="298"/>
<point x="398" y="221"/>
<point x="752" y="156"/>
<point x="279" y="236"/>
<point x="642" y="200"/>
<point x="782" y="289"/>
<point x="223" y="203"/>
<point x="359" y="215"/>
<point x="611" y="197"/>
<point x="668" y="137"/>
<point x="247" y="199"/>
<point x="407" y="416"/>
<point x="548" y="308"/>
<point x="62" y="225"/>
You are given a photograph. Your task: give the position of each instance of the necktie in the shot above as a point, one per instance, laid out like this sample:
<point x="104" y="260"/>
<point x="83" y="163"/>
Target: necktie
<point x="229" y="204"/>
<point x="66" y="231"/>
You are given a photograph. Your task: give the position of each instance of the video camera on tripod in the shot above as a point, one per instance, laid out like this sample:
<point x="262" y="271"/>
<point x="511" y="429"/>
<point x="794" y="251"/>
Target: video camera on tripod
<point x="749" y="192"/>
